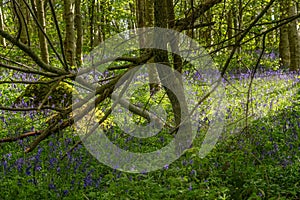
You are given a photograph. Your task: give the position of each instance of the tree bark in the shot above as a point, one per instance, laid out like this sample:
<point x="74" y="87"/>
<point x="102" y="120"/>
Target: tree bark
<point x="42" y="38"/>
<point x="293" y="40"/>
<point x="239" y="21"/>
<point x="2" y="16"/>
<point x="229" y="29"/>
<point x="69" y="43"/>
<point x="284" y="48"/>
<point x="91" y="24"/>
<point x="22" y="15"/>
<point x="78" y="27"/>
<point x="177" y="61"/>
<point x="145" y="17"/>
<point x="169" y="81"/>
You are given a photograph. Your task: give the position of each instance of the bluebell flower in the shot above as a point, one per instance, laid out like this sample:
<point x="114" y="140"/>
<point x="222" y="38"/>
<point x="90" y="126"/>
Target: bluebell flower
<point x="27" y="171"/>
<point x="65" y="192"/>
<point x="5" y="164"/>
<point x="166" y="167"/>
<point x="87" y="181"/>
<point x="193" y="172"/>
<point x="190" y="188"/>
<point x="8" y="156"/>
<point x="52" y="161"/>
<point x="272" y="55"/>
<point x="20" y="163"/>
<point x="51" y="186"/>
<point x="276" y="147"/>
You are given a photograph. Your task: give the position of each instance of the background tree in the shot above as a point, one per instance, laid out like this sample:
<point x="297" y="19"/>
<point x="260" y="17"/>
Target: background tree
<point x="293" y="38"/>
<point x="42" y="31"/>
<point x="145" y="18"/>
<point x="284" y="36"/>
<point x="69" y="43"/>
<point x="2" y="16"/>
<point x="22" y="15"/>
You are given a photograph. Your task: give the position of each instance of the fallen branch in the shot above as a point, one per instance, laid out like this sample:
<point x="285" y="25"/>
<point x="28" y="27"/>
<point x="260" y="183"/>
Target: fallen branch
<point x="25" y="135"/>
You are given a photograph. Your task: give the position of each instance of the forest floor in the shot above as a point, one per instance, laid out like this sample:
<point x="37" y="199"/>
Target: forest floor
<point x="261" y="161"/>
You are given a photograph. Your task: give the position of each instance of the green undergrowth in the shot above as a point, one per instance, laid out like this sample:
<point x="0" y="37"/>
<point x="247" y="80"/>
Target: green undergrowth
<point x="257" y="162"/>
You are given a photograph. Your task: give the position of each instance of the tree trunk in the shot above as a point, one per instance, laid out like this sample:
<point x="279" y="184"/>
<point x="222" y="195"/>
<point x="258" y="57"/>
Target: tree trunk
<point x="140" y="13"/>
<point x="21" y="13"/>
<point x="293" y="40"/>
<point x="177" y="61"/>
<point x="101" y="28"/>
<point x="131" y="22"/>
<point x="161" y="56"/>
<point x="208" y="32"/>
<point x="78" y="27"/>
<point x="2" y="16"/>
<point x="42" y="38"/>
<point x="69" y="44"/>
<point x="229" y="28"/>
<point x="284" y="48"/>
<point x="169" y="81"/>
<point x="145" y="17"/>
<point x="91" y="25"/>
<point x="240" y="21"/>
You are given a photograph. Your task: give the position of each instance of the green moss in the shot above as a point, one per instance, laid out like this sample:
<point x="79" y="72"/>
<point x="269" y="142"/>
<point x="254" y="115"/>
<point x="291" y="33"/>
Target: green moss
<point x="36" y="93"/>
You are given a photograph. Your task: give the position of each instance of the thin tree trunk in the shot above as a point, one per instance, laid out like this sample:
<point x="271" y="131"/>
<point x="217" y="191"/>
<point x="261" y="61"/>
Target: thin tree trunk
<point x="208" y="33"/>
<point x="101" y="32"/>
<point x="293" y="40"/>
<point x="174" y="44"/>
<point x="140" y="10"/>
<point x="145" y="17"/>
<point x="161" y="56"/>
<point x="92" y="15"/>
<point x="131" y="23"/>
<point x="284" y="48"/>
<point x="22" y="16"/>
<point x="229" y="28"/>
<point x="42" y="38"/>
<point x="34" y="7"/>
<point x="78" y="27"/>
<point x="69" y="43"/>
<point x="240" y="21"/>
<point x="2" y="16"/>
<point x="271" y="36"/>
